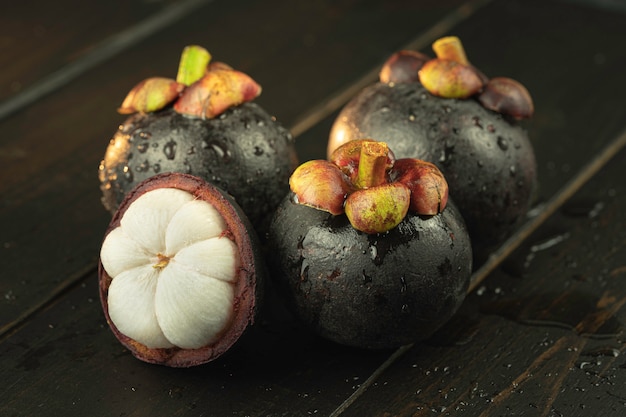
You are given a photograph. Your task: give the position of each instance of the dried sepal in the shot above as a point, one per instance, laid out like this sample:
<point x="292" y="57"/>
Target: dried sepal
<point x="193" y="64"/>
<point x="429" y="188"/>
<point x="507" y="96"/>
<point x="216" y="92"/>
<point x="402" y="67"/>
<point x="449" y="79"/>
<point x="150" y="95"/>
<point x="321" y="185"/>
<point x="378" y="209"/>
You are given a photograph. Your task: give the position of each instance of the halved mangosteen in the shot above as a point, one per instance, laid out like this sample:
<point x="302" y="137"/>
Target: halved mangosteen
<point x="180" y="271"/>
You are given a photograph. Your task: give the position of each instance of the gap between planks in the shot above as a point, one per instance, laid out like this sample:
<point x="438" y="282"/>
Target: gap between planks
<point x="102" y="52"/>
<point x="126" y="39"/>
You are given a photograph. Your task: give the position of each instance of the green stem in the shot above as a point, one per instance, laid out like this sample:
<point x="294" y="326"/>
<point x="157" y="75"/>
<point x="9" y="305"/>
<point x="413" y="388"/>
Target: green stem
<point x="450" y="47"/>
<point x="372" y="165"/>
<point x="193" y="64"/>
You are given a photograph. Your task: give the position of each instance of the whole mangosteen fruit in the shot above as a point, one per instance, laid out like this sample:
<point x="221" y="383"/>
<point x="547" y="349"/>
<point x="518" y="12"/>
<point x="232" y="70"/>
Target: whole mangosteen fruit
<point x="445" y="111"/>
<point x="367" y="250"/>
<point x="203" y="123"/>
<point x="180" y="271"/>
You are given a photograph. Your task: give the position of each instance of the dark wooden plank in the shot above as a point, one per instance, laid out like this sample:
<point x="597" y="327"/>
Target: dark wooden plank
<point x="543" y="335"/>
<point x="49" y="153"/>
<point x="67" y="362"/>
<point x="40" y="38"/>
<point x="273" y="371"/>
<point x="69" y="338"/>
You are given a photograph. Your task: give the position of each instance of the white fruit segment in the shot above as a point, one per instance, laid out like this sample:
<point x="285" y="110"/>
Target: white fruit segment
<point x="173" y="271"/>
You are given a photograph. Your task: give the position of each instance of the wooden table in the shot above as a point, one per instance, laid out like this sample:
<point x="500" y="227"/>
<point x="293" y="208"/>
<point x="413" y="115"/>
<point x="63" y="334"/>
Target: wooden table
<point x="542" y="332"/>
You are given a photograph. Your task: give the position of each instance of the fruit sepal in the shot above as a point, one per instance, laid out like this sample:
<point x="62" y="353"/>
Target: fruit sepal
<point x="451" y="75"/>
<point x="201" y="89"/>
<point x="363" y="179"/>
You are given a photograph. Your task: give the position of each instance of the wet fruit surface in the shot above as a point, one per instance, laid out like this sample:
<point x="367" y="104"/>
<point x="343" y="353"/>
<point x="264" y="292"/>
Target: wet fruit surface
<point x="375" y="291"/>
<point x="487" y="160"/>
<point x="243" y="151"/>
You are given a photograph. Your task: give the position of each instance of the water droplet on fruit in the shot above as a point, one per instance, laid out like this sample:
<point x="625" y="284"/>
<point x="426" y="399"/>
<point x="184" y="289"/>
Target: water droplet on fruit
<point x="446" y="154"/>
<point x="512" y="170"/>
<point x="258" y="151"/>
<point x="403" y="285"/>
<point x="155" y="145"/>
<point x="480" y="164"/>
<point x="366" y="278"/>
<point x="304" y="271"/>
<point x="156" y="168"/>
<point x="220" y="150"/>
<point x="373" y="252"/>
<point x="128" y="173"/>
<point x="143" y="167"/>
<point x="503" y="143"/>
<point x="169" y="149"/>
<point x="143" y="147"/>
<point x="260" y="123"/>
<point x="447" y="109"/>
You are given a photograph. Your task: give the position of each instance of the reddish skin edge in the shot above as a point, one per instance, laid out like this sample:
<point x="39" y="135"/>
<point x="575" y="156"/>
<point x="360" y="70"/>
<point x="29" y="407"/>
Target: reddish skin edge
<point x="249" y="280"/>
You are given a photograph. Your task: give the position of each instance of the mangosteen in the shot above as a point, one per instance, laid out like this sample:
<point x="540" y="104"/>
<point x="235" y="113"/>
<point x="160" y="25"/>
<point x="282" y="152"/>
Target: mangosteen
<point x="203" y="123"/>
<point x="180" y="271"/>
<point x="367" y="250"/>
<point x="446" y="111"/>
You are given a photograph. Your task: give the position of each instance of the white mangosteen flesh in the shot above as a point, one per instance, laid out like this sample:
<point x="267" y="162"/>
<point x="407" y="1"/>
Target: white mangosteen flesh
<point x="173" y="271"/>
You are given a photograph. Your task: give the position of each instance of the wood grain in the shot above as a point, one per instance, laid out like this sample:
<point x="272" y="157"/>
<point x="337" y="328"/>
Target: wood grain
<point x="541" y="335"/>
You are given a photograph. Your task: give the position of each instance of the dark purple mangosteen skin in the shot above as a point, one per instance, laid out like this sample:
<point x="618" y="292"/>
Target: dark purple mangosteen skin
<point x="244" y="151"/>
<point x="370" y="291"/>
<point x="487" y="160"/>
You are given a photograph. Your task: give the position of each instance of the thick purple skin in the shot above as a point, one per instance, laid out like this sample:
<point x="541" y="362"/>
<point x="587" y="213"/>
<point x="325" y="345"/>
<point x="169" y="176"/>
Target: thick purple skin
<point x="370" y="291"/>
<point x="249" y="288"/>
<point x="487" y="160"/>
<point x="244" y="151"/>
